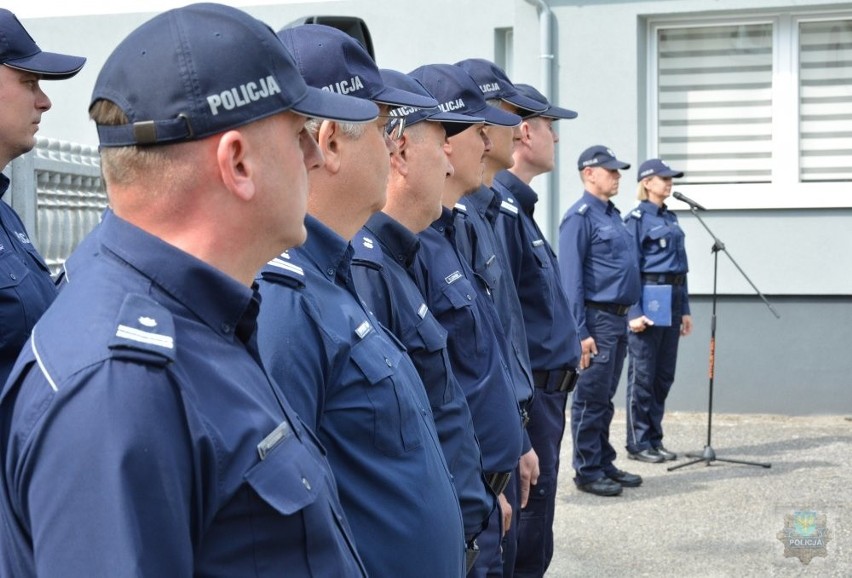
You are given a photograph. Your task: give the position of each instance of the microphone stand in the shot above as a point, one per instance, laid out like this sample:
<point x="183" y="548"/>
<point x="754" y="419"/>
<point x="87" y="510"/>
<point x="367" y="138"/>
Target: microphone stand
<point x="708" y="456"/>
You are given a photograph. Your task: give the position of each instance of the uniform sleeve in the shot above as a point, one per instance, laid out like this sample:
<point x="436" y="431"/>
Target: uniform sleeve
<point x="293" y="349"/>
<point x="573" y="246"/>
<point x="634" y="228"/>
<point x="372" y="288"/>
<point x="104" y="480"/>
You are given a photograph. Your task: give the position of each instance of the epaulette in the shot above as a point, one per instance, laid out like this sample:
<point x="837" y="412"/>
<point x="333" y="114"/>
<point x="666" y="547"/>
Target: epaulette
<point x="367" y="251"/>
<point x="144" y="332"/>
<point x="507" y="206"/>
<point x="283" y="270"/>
<point x="581" y="210"/>
<point x="461" y="208"/>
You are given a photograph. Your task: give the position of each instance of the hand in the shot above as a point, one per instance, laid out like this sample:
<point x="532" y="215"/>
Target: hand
<point x="639" y="324"/>
<point x="589" y="351"/>
<point x="529" y="470"/>
<point x="686" y="325"/>
<point x="506" y="511"/>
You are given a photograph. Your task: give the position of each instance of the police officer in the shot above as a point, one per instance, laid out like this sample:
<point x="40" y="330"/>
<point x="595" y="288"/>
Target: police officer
<point x="652" y="348"/>
<point x="600" y="274"/>
<point x="157" y="445"/>
<point x="477" y="214"/>
<point x="461" y="303"/>
<point x="26" y="288"/>
<point x="347" y="376"/>
<point x="385" y="250"/>
<point x="554" y="346"/>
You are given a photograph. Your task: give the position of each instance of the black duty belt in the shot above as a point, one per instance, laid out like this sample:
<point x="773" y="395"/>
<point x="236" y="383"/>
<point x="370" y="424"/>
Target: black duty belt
<point x="613" y="308"/>
<point x="498" y="481"/>
<point x="660" y="279"/>
<point x="562" y="380"/>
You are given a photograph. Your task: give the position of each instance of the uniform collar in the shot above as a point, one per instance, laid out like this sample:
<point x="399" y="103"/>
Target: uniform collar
<point x="652" y="208"/>
<point x="220" y="301"/>
<point x="401" y="243"/>
<point x="606" y="206"/>
<point x="523" y="193"/>
<point x="444" y="223"/>
<point x="330" y="252"/>
<point x="486" y="201"/>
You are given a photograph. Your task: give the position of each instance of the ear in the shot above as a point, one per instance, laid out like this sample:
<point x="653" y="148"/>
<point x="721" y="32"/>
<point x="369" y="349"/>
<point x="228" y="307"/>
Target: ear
<point x="525" y="135"/>
<point x="329" y="142"/>
<point x="235" y="164"/>
<point x="399" y="157"/>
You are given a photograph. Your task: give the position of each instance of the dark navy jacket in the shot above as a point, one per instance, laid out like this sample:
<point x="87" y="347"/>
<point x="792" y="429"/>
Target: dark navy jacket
<point x="464" y="309"/>
<point x="551" y="329"/>
<point x="384" y="253"/>
<point x="597" y="258"/>
<point x="26" y="289"/>
<point x="354" y="384"/>
<point x="476" y="215"/>
<point x="141" y="436"/>
<point x="660" y="244"/>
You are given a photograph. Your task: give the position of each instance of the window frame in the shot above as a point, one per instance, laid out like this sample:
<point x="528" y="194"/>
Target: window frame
<point x="785" y="190"/>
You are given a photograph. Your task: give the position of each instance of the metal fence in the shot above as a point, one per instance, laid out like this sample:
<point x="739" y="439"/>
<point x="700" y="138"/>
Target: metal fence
<point x="58" y="192"/>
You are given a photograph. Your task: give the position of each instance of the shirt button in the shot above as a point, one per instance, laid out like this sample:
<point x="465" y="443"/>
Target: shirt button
<point x="469" y="298"/>
<point x="389" y="362"/>
<point x="329" y="272"/>
<point x="13" y="276"/>
<point x="226" y="328"/>
<point x="306" y="483"/>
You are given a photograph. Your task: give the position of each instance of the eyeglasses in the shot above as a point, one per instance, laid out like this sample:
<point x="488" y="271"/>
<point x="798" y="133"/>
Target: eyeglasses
<point x="395" y="126"/>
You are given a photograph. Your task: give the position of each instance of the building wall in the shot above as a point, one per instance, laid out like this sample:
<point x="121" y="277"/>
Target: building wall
<point x="799" y="258"/>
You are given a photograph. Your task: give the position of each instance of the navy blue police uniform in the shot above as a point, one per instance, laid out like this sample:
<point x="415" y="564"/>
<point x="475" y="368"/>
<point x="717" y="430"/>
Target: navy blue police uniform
<point x="476" y="217"/>
<point x="26" y="289"/>
<point x="600" y="274"/>
<point x="355" y="386"/>
<point x="462" y="306"/>
<point x="162" y="412"/>
<point x="659" y="241"/>
<point x="384" y="254"/>
<point x="554" y="349"/>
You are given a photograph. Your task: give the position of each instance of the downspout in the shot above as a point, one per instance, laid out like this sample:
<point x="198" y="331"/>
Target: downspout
<point x="547" y="56"/>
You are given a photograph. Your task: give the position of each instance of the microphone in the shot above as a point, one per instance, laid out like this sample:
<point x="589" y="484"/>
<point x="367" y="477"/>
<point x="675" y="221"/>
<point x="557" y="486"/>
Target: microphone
<point x="688" y="201"/>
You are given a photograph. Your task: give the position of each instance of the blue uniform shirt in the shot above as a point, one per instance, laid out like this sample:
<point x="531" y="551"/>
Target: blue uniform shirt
<point x="659" y="241"/>
<point x="476" y="215"/>
<point x="140" y="434"/>
<point x="356" y="387"/>
<point x="26" y="289"/>
<point x="384" y="253"/>
<point x="462" y="307"/>
<point x="551" y="330"/>
<point x="597" y="258"/>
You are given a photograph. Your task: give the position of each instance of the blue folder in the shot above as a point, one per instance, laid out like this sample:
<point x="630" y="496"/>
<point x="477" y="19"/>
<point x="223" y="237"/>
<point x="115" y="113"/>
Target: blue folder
<point x="657" y="304"/>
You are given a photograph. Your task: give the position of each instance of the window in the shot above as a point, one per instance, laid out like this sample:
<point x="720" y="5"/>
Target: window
<point x="757" y="110"/>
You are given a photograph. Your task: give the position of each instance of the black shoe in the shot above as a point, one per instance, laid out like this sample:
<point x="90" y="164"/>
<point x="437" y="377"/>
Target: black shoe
<point x="666" y="454"/>
<point x="625" y="479"/>
<point x="601" y="487"/>
<point x="651" y="456"/>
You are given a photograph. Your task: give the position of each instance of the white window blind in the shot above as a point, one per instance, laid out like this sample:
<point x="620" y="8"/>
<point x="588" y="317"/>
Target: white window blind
<point x="714" y="98"/>
<point x="825" y="100"/>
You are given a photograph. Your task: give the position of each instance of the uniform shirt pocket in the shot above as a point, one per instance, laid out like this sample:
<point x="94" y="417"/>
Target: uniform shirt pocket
<point x="288" y="479"/>
<point x="396" y="426"/>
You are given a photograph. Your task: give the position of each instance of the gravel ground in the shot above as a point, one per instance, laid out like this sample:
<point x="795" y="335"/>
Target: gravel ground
<point x="717" y="520"/>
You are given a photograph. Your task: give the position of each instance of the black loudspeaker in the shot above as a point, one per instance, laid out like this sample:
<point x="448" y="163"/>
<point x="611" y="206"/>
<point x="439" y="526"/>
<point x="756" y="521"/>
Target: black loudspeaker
<point x="351" y="25"/>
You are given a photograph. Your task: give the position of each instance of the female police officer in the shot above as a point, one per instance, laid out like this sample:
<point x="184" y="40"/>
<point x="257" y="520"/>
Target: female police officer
<point x="652" y="347"/>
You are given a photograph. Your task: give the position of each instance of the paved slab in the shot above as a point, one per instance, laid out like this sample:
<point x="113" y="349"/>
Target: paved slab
<point x="717" y="520"/>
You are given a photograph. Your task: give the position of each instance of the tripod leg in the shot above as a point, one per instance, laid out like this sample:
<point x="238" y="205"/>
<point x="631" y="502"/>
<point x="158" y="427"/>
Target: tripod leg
<point x="683" y="465"/>
<point x="762" y="465"/>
